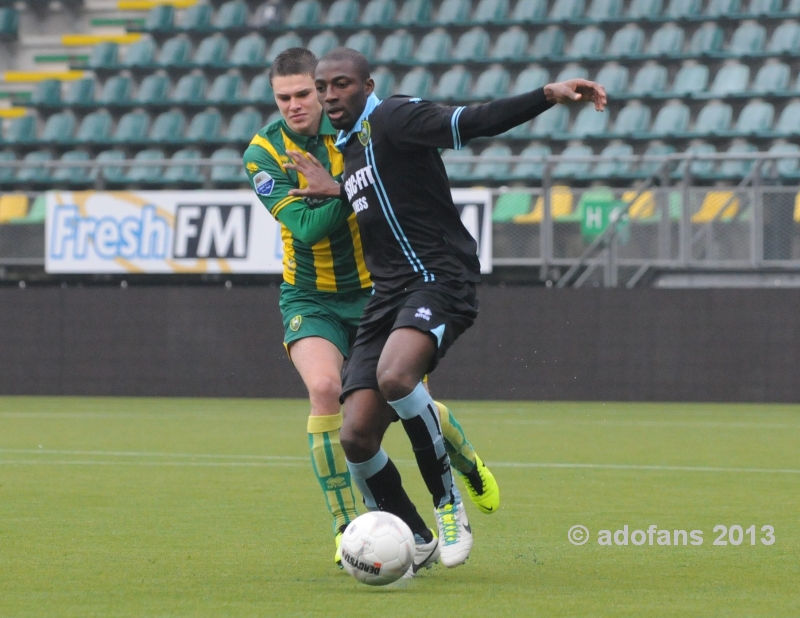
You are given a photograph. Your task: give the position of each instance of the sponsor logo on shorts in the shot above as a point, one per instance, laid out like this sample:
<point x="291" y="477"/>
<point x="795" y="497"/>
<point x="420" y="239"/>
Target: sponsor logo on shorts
<point x="424" y="313"/>
<point x="295" y="323"/>
<point x="264" y="183"/>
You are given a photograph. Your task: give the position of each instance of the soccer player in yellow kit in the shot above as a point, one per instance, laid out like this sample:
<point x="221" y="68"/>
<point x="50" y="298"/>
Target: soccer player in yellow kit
<point x="326" y="284"/>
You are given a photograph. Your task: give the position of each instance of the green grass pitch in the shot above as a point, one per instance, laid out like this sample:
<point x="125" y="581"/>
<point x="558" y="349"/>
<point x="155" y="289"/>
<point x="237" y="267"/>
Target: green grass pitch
<point x="197" y="507"/>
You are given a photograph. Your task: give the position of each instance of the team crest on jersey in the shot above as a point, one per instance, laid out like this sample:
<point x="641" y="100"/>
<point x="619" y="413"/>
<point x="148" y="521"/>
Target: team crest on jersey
<point x="365" y="133"/>
<point x="264" y="183"/>
<point x="296" y="322"/>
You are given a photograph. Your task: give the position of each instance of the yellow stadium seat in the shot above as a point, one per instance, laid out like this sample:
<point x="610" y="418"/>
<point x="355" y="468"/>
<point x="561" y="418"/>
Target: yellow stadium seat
<point x="13" y="205"/>
<point x="561" y="204"/>
<point x="797" y="208"/>
<point x="643" y="207"/>
<point x="717" y="205"/>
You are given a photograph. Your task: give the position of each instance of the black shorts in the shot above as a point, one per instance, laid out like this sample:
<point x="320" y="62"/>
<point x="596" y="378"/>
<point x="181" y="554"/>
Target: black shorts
<point x="443" y="311"/>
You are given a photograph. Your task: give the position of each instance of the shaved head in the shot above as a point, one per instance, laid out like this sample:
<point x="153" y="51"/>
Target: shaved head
<point x="357" y="60"/>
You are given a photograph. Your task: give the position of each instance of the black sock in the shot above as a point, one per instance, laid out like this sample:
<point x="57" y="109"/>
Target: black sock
<point x="387" y="489"/>
<point x="435" y="470"/>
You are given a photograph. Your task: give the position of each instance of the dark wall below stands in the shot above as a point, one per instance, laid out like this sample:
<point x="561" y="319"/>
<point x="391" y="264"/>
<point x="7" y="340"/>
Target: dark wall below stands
<point x="528" y="343"/>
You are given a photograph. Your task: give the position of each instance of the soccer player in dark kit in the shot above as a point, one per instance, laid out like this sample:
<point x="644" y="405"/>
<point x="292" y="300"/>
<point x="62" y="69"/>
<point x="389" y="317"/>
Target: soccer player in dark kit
<point x="424" y="268"/>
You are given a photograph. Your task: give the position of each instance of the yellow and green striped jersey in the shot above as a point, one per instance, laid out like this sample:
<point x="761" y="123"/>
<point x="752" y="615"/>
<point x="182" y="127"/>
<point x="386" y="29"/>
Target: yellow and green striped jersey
<point x="321" y="241"/>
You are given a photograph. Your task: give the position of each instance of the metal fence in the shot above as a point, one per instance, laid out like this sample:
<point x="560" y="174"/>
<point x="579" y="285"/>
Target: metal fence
<point x="572" y="228"/>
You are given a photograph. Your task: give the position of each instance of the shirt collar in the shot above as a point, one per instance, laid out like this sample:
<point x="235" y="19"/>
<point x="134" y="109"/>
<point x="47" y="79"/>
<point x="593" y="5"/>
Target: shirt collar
<point x="372" y="102"/>
<point x="325" y="128"/>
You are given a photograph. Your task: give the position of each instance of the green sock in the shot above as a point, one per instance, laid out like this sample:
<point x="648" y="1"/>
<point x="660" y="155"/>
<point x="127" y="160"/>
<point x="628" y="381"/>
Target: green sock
<point x="462" y="455"/>
<point x="330" y="466"/>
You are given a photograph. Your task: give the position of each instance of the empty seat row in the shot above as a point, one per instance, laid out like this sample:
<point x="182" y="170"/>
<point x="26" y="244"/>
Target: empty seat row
<point x="349" y="13"/>
<point x="110" y="171"/>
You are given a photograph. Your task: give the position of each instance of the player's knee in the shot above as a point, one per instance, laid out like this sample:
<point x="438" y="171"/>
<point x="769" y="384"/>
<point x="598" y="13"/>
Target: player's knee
<point x="324" y="393"/>
<point x="358" y="443"/>
<point x="395" y="384"/>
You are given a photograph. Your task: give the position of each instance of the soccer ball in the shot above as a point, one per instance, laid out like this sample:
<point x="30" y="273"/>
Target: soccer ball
<point x="377" y="548"/>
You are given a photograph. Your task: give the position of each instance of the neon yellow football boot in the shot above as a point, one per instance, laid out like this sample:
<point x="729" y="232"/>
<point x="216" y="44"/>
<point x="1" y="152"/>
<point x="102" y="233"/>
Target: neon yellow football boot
<point x="482" y="488"/>
<point x="337" y="557"/>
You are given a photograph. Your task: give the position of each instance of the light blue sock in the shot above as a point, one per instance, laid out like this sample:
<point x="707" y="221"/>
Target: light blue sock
<point x="360" y="472"/>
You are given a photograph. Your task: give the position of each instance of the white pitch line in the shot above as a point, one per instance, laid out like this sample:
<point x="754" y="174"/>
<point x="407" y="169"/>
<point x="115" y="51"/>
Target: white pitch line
<point x="97" y="462"/>
<point x="694" y="425"/>
<point x="39" y="451"/>
<point x="514" y="464"/>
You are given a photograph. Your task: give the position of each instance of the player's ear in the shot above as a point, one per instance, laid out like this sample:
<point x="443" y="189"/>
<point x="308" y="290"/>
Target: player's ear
<point x="369" y="86"/>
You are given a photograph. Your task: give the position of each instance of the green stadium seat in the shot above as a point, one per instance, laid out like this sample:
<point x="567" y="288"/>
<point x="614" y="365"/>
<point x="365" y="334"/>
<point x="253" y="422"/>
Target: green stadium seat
<point x="212" y="51"/>
<point x="554" y="120"/>
<point x="610" y="167"/>
<point x="650" y="79"/>
<point x="190" y="89"/>
<point x="698" y="167"/>
<point x="566" y="10"/>
<point x="681" y="9"/>
<point x="782" y="167"/>
<point x="416" y="83"/>
<point x="667" y="40"/>
<point x="789" y="121"/>
<point x="95" y="127"/>
<point x="35" y="172"/>
<point x="492" y="83"/>
<point x="384" y="82"/>
<point x="9" y="24"/>
<point x="142" y="53"/>
<point x="320" y="44"/>
<point x="232" y="14"/>
<point x="249" y="50"/>
<point x="511" y="44"/>
<point x="511" y="204"/>
<point x="146" y="173"/>
<point x="529" y="79"/>
<point x="434" y="47"/>
<point x="160" y="18"/>
<point x="785" y="39"/>
<point x="184" y="174"/>
<point x="627" y="41"/>
<point x="589" y="122"/>
<point x="454" y="84"/>
<point x="153" y="90"/>
<point x="670" y="119"/>
<point x="495" y="170"/>
<point x="59" y="128"/>
<point x="225" y="89"/>
<point x="378" y="12"/>
<point x="573" y="168"/>
<point x="472" y="45"/>
<point x="723" y="8"/>
<point x="260" y="90"/>
<point x="587" y="43"/>
<point x="572" y="71"/>
<point x="793" y="8"/>
<point x="531" y="169"/>
<point x="748" y="39"/>
<point x="227" y="173"/>
<point x="738" y="168"/>
<point x="453" y="12"/>
<point x="489" y="11"/>
<point x="21" y="130"/>
<point x="414" y="12"/>
<point x="602" y="10"/>
<point x="80" y="92"/>
<point x="168" y="126"/>
<point x="548" y="43"/>
<point x="691" y="78"/>
<point x="116" y="91"/>
<point x="7" y="173"/>
<point x="529" y="10"/>
<point x="47" y="93"/>
<point x="755" y="117"/>
<point x="645" y="9"/>
<point x="175" y="52"/>
<point x="706" y="40"/>
<point x="304" y="13"/>
<point x="456" y="169"/>
<point x="103" y="55"/>
<point x="197" y="18"/>
<point x="132" y="127"/>
<point x="111" y="173"/>
<point x="764" y="7"/>
<point x="282" y="43"/>
<point x="244" y="125"/>
<point x="398" y="46"/>
<point x="772" y="78"/>
<point x="205" y="126"/>
<point x="714" y="118"/>
<point x="342" y="13"/>
<point x="648" y="168"/>
<point x="78" y="174"/>
<point x="614" y="77"/>
<point x="732" y="78"/>
<point x="364" y="42"/>
<point x="631" y="119"/>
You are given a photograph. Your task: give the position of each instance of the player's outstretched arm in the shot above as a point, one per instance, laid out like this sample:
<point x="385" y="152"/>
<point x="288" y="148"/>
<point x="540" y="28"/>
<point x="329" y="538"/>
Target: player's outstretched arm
<point x="577" y="91"/>
<point x="320" y="182"/>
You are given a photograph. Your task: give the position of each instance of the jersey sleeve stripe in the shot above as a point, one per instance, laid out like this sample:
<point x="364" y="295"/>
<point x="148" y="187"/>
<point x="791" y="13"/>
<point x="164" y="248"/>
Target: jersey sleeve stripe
<point x="266" y="145"/>
<point x="454" y="126"/>
<point x="283" y="204"/>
